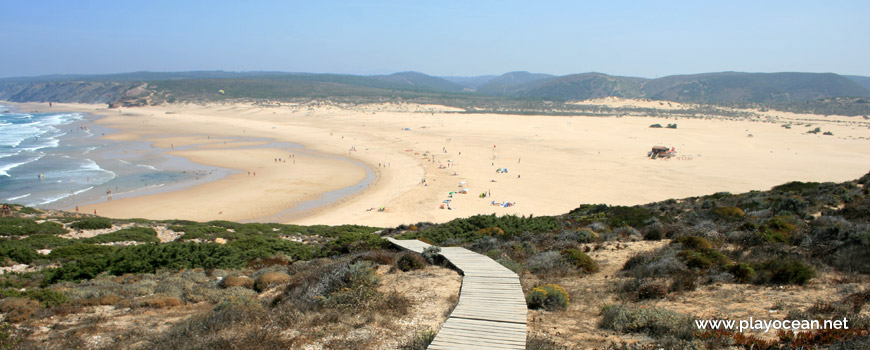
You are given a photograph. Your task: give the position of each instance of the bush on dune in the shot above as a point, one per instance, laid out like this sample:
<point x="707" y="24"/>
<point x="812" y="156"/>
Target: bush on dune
<point x="91" y="224"/>
<point x="549" y="297"/>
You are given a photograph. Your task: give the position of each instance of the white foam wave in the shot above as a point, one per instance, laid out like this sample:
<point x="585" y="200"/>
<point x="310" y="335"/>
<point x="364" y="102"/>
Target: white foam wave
<point x="147" y="166"/>
<point x="6" y="167"/>
<point x="91" y="165"/>
<point x="18" y="197"/>
<point x="54" y="199"/>
<point x="83" y="190"/>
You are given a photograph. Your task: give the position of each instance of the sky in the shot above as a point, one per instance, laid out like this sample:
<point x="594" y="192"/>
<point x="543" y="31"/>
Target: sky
<point x="444" y="38"/>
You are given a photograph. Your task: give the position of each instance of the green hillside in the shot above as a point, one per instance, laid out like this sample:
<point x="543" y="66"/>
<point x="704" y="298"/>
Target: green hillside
<point x="823" y="93"/>
<point x="863" y="81"/>
<point x="736" y="87"/>
<point x="415" y="80"/>
<point x="584" y="86"/>
<point x="509" y="83"/>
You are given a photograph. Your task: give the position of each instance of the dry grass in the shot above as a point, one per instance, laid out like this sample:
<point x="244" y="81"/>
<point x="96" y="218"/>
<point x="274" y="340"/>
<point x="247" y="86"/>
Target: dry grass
<point x="403" y="304"/>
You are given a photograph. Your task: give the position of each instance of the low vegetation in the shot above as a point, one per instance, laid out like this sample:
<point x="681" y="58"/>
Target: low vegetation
<point x="272" y="276"/>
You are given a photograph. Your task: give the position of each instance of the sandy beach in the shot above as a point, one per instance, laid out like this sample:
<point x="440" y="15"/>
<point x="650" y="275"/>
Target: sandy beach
<point x="554" y="163"/>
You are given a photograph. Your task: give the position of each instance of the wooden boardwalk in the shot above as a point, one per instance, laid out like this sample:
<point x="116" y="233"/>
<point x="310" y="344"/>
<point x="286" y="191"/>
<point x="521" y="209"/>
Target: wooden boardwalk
<point x="491" y="313"/>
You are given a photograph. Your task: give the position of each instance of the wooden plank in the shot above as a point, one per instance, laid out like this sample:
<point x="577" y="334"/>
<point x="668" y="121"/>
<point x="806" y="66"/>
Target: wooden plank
<point x="492" y="311"/>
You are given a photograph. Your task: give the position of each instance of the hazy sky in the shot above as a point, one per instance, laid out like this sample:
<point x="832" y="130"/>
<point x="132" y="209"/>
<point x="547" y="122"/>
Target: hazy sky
<point x="633" y="38"/>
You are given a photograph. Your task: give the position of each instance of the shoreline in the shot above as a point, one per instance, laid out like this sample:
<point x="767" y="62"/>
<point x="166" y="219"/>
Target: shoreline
<point x="192" y="150"/>
<point x="555" y="162"/>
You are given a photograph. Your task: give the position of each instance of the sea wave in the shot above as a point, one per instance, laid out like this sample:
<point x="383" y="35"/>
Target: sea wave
<point x="91" y="165"/>
<point x="18" y="197"/>
<point x="54" y="199"/>
<point x="83" y="190"/>
<point x="4" y="168"/>
<point x="147" y="166"/>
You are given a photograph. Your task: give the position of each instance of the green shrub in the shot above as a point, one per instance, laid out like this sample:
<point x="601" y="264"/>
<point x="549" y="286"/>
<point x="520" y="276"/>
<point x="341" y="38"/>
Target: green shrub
<point x="514" y="266"/>
<point x="467" y="229"/>
<point x="18" y="251"/>
<point x="353" y="285"/>
<point x="432" y="254"/>
<point x="80" y="251"/>
<point x="354" y="242"/>
<point x="91" y="260"/>
<point x="549" y="297"/>
<point x="137" y="234"/>
<point x="653" y="321"/>
<point x="728" y="212"/>
<point x="409" y="261"/>
<point x="703" y="258"/>
<point x="262" y="247"/>
<point x="615" y="216"/>
<point x="796" y="186"/>
<point x="783" y="271"/>
<point x="12" y="226"/>
<point x="45" y="241"/>
<point x="579" y="260"/>
<point x="91" y="224"/>
<point x="547" y="262"/>
<point x="693" y="242"/>
<point x="47" y="297"/>
<point x="742" y="272"/>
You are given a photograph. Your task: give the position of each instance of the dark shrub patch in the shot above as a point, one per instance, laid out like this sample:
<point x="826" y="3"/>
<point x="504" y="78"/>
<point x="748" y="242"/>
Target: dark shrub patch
<point x="685" y="281"/>
<point x="410" y="261"/>
<point x="11" y="226"/>
<point x="137" y="234"/>
<point x="653" y="321"/>
<point x="651" y="290"/>
<point x="354" y="242"/>
<point x="796" y="186"/>
<point x="704" y="258"/>
<point x="857" y="210"/>
<point x="742" y="272"/>
<point x="17" y="251"/>
<point x="579" y="260"/>
<point x="693" y="242"/>
<point x="91" y="224"/>
<point x="729" y="213"/>
<point x="783" y="271"/>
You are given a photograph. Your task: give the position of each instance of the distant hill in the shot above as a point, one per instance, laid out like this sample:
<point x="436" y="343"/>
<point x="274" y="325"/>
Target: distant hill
<point x="420" y="81"/>
<point x="472" y="83"/>
<point x="65" y="91"/>
<point x="509" y="83"/>
<point x="863" y="81"/>
<point x="582" y="87"/>
<point x="146" y="76"/>
<point x="825" y="93"/>
<point x="731" y="87"/>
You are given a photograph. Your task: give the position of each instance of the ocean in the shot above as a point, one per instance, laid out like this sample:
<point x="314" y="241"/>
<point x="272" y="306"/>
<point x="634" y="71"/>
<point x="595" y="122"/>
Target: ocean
<point x="57" y="160"/>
